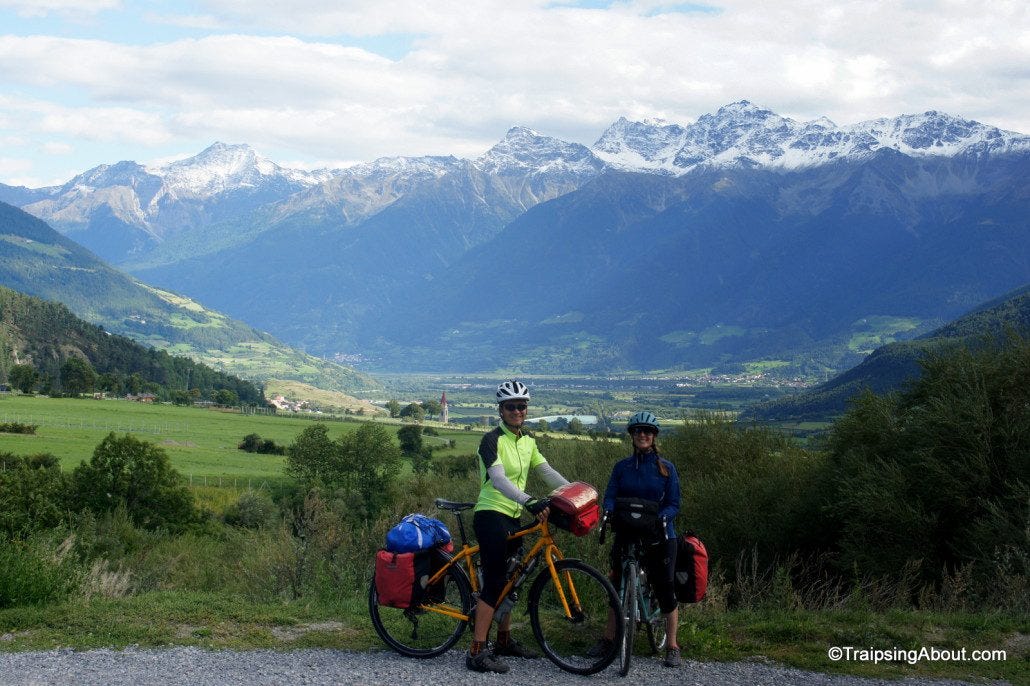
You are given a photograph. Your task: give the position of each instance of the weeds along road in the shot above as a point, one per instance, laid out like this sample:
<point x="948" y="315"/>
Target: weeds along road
<point x="198" y="667"/>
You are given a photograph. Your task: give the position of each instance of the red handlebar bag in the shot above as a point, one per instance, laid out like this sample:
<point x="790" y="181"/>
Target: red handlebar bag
<point x="574" y="508"/>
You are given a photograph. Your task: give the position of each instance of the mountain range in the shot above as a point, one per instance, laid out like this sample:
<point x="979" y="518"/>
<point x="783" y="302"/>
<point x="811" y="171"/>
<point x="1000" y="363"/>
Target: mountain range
<point x="744" y="237"/>
<point x="36" y="260"/>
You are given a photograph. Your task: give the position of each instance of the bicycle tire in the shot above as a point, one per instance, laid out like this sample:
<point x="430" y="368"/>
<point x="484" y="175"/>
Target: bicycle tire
<point x="574" y="643"/>
<point x="629" y="616"/>
<point x="657" y="635"/>
<point x="418" y="632"/>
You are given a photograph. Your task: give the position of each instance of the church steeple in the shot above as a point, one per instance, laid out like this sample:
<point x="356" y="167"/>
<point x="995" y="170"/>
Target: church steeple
<point x="443" y="406"/>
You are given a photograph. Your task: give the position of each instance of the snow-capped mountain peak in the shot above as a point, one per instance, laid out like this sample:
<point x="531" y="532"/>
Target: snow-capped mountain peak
<point x="523" y="149"/>
<point x="221" y="167"/>
<point x="743" y="134"/>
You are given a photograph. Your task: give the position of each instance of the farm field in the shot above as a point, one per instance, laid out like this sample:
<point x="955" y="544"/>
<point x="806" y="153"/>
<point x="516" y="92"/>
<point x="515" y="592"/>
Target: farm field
<point x="201" y="443"/>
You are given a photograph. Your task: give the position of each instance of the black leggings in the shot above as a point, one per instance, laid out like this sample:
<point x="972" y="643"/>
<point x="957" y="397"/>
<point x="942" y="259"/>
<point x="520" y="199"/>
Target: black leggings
<point x="492" y="530"/>
<point x="659" y="561"/>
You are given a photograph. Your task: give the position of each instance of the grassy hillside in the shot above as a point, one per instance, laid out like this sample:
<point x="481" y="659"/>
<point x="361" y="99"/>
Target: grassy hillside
<point x="36" y="260"/>
<point x="891" y="366"/>
<point x="329" y="401"/>
<point x="44" y="335"/>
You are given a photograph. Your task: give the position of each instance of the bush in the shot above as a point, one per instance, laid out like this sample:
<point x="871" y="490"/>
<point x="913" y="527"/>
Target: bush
<point x="455" y="466"/>
<point x="252" y="443"/>
<point x="33" y="494"/>
<point x="253" y="510"/>
<point x="749" y="492"/>
<point x="938" y="475"/>
<point x="18" y="428"/>
<point x="29" y="578"/>
<point x="360" y="467"/>
<point x="136" y="474"/>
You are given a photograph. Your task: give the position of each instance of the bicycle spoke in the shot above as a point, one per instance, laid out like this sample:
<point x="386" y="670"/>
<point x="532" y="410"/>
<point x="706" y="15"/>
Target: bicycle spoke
<point x="569" y="617"/>
<point x="430" y="629"/>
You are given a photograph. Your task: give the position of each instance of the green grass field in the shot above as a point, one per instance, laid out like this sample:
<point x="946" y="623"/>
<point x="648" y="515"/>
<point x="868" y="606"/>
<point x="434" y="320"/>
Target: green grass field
<point x="201" y="443"/>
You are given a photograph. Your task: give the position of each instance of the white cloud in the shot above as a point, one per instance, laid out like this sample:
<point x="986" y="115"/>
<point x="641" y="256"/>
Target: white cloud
<point x="57" y="148"/>
<point x="478" y="67"/>
<point x="43" y="8"/>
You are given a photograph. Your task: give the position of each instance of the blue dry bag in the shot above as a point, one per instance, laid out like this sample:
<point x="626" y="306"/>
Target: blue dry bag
<point x="417" y="532"/>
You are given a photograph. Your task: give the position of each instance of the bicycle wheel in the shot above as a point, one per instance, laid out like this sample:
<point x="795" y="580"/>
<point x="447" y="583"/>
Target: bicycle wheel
<point x="629" y="615"/>
<point x="573" y="642"/>
<point x="654" y="620"/>
<point x="424" y="631"/>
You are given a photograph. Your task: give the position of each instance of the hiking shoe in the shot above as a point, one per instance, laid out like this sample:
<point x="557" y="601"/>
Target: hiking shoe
<point x="603" y="647"/>
<point x="486" y="661"/>
<point x="515" y="649"/>
<point x="672" y="657"/>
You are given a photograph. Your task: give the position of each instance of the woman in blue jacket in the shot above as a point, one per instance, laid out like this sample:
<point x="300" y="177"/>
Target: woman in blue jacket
<point x="648" y="476"/>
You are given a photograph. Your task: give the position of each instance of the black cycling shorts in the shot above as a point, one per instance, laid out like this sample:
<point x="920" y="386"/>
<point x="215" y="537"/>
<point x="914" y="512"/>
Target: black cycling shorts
<point x="492" y="530"/>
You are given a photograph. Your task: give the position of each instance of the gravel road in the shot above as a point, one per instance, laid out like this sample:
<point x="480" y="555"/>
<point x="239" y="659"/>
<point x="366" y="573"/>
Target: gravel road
<point x="199" y="667"/>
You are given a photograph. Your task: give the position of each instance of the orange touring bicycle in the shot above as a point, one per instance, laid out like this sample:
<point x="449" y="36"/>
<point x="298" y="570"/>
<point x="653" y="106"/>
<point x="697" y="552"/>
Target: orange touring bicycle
<point x="568" y="600"/>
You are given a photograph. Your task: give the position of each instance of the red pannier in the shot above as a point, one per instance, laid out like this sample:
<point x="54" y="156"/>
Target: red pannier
<point x="395" y="578"/>
<point x="691" y="569"/>
<point x="401" y="578"/>
<point x="574" y="508"/>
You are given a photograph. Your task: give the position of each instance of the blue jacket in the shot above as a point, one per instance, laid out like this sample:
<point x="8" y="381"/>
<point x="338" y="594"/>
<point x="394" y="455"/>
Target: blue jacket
<point x="638" y="477"/>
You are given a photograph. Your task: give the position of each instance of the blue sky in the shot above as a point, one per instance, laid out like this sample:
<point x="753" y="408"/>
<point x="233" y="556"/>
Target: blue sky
<point x="315" y="83"/>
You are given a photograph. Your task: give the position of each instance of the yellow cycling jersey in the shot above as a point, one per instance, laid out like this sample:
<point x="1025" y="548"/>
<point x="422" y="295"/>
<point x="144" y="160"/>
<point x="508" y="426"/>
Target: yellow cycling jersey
<point x="518" y="455"/>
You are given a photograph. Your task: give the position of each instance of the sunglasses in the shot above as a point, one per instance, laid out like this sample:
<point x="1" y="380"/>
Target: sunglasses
<point x="515" y="407"/>
<point x="642" y="430"/>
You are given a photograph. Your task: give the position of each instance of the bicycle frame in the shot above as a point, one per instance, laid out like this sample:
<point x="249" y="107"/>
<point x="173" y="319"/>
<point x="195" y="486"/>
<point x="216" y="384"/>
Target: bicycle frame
<point x="643" y="611"/>
<point x="544" y="545"/>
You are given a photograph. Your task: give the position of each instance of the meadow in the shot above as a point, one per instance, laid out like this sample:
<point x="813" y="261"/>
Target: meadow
<point x="200" y="442"/>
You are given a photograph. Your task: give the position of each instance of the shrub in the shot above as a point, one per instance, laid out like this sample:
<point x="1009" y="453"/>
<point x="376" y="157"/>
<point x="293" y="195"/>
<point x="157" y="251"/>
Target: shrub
<point x="938" y="474"/>
<point x="458" y="466"/>
<point x="253" y="510"/>
<point x="18" y="428"/>
<point x="359" y="467"/>
<point x="29" y="578"/>
<point x="252" y="443"/>
<point x="137" y="475"/>
<point x="33" y="494"/>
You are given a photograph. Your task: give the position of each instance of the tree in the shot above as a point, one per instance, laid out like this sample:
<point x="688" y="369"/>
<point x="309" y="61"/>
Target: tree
<point x="32" y="494"/>
<point x="375" y="462"/>
<point x="410" y="438"/>
<point x="134" y="384"/>
<point x="394" y="407"/>
<point x="110" y="382"/>
<point x="937" y="474"/>
<point x="542" y="425"/>
<point x="24" y="377"/>
<point x="77" y="376"/>
<point x="575" y="426"/>
<point x="226" y="397"/>
<point x="361" y="467"/>
<point x="415" y="411"/>
<point x="137" y="475"/>
<point x="313" y="459"/>
<point x="432" y="407"/>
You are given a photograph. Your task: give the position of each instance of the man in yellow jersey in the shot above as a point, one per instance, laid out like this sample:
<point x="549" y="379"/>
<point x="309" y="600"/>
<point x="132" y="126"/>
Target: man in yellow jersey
<point x="506" y="455"/>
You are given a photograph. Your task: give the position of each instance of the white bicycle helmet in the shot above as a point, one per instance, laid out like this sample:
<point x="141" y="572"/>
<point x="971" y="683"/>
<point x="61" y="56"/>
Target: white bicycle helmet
<point x="512" y="390"/>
